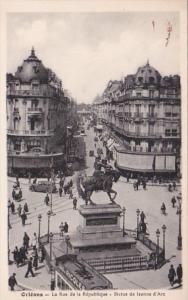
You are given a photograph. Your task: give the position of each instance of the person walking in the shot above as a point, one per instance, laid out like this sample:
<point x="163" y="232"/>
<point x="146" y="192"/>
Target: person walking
<point x="19" y="209"/>
<point x="26" y="208"/>
<point x="66" y="227"/>
<point x="70" y="193"/>
<point x="23" y="256"/>
<point x="171" y="275"/>
<point x="142" y="217"/>
<point x="144" y="184"/>
<point x="179" y="273"/>
<point x="30" y="268"/>
<point x="23" y="217"/>
<point x="15" y="255"/>
<point x="47" y="199"/>
<point x="74" y="203"/>
<point x="12" y="281"/>
<point x="26" y="239"/>
<point x="60" y="191"/>
<point x="173" y="201"/>
<point x="163" y="209"/>
<point x="174" y="185"/>
<point x="34" y="240"/>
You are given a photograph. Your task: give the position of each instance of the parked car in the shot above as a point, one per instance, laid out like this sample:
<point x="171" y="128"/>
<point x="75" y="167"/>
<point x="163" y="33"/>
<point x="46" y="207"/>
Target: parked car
<point x="43" y="187"/>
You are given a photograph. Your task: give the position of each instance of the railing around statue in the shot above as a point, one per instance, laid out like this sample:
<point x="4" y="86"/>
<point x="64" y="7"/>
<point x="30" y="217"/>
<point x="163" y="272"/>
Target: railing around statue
<point x="158" y="251"/>
<point x="119" y="264"/>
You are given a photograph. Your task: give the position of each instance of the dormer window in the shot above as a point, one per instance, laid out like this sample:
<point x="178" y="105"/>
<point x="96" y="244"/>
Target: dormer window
<point x="151" y="79"/>
<point x="140" y="79"/>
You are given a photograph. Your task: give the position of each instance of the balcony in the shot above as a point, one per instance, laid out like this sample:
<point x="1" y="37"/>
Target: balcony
<point x="30" y="132"/>
<point x="138" y="117"/>
<point x="35" y="110"/>
<point x="45" y="92"/>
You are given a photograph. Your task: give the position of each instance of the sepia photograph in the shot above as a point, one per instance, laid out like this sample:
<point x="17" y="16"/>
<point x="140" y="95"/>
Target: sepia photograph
<point x="94" y="152"/>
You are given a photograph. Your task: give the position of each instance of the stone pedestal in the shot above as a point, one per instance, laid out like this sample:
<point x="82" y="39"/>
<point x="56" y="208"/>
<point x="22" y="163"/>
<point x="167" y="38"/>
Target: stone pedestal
<point x="100" y="230"/>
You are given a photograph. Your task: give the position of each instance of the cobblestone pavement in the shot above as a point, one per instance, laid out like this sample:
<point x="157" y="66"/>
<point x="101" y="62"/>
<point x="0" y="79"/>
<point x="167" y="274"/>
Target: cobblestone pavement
<point x="149" y="201"/>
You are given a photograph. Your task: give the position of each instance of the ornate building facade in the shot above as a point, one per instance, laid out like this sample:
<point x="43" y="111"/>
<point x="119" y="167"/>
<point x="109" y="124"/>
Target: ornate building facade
<point x="144" y="113"/>
<point x="36" y="111"/>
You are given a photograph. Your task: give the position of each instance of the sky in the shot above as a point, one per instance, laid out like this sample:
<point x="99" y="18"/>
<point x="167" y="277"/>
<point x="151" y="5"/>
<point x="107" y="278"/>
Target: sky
<point x="87" y="50"/>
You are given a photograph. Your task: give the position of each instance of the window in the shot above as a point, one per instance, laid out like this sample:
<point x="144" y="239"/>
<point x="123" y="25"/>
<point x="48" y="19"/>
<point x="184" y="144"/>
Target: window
<point x="138" y="94"/>
<point x="167" y="132"/>
<point x="140" y="79"/>
<point x="151" y="94"/>
<point x="174" y="132"/>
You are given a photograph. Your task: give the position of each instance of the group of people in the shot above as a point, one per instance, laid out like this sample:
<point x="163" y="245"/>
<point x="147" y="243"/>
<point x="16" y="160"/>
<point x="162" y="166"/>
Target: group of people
<point x="172" y="275"/>
<point x="139" y="182"/>
<point x="64" y="228"/>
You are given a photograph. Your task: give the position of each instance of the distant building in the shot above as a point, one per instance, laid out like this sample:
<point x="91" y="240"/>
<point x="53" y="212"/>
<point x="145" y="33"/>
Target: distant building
<point x="143" y="111"/>
<point x="36" y="117"/>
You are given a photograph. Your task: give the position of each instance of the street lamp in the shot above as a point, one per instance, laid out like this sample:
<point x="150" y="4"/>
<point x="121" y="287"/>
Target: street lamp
<point x="138" y="213"/>
<point x="39" y="219"/>
<point x="67" y="239"/>
<point x="123" y="211"/>
<point x="51" y="240"/>
<point x="157" y="249"/>
<point x="49" y="215"/>
<point x="164" y="229"/>
<point x="179" y="211"/>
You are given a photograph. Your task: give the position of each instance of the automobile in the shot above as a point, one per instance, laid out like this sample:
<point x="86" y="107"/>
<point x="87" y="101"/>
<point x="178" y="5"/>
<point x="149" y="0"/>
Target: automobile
<point x="37" y="150"/>
<point x="96" y="139"/>
<point x="91" y="153"/>
<point x="43" y="187"/>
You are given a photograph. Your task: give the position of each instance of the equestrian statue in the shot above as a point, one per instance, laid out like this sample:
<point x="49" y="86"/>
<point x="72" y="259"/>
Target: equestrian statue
<point x="99" y="181"/>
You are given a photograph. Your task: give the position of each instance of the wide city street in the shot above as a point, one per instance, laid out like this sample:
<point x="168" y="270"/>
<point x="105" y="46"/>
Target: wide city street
<point x="149" y="201"/>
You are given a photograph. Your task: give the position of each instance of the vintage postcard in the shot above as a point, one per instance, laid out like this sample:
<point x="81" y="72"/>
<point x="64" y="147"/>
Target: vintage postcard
<point x="93" y="149"/>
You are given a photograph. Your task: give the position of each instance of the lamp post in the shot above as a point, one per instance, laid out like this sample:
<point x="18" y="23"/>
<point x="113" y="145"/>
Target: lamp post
<point x="51" y="241"/>
<point x="179" y="211"/>
<point x="123" y="211"/>
<point x="67" y="239"/>
<point x="157" y="249"/>
<point x="138" y="214"/>
<point x="164" y="230"/>
<point x="49" y="215"/>
<point x="39" y="219"/>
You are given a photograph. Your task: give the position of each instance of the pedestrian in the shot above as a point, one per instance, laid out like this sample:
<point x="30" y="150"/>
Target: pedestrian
<point x="23" y="217"/>
<point x="26" y="208"/>
<point x="12" y="281"/>
<point x="19" y="209"/>
<point x="30" y="268"/>
<point x="26" y="239"/>
<point x="144" y="184"/>
<point x="142" y="217"/>
<point x="35" y="180"/>
<point x="34" y="240"/>
<point x="163" y="208"/>
<point x="60" y="191"/>
<point x="12" y="207"/>
<point x="173" y="201"/>
<point x="174" y="185"/>
<point x="179" y="273"/>
<point x="171" y="275"/>
<point x="35" y="258"/>
<point x="170" y="187"/>
<point x="135" y="186"/>
<point x="22" y="255"/>
<point x="74" y="203"/>
<point x="128" y="176"/>
<point x="47" y="199"/>
<point x="15" y="255"/>
<point x="66" y="227"/>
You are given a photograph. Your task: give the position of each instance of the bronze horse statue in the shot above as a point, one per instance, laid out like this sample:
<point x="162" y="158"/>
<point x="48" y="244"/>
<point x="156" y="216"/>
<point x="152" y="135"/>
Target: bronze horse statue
<point x="100" y="181"/>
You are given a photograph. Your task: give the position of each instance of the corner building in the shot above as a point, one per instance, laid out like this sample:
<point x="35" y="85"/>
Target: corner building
<point x="143" y="112"/>
<point x="36" y="110"/>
